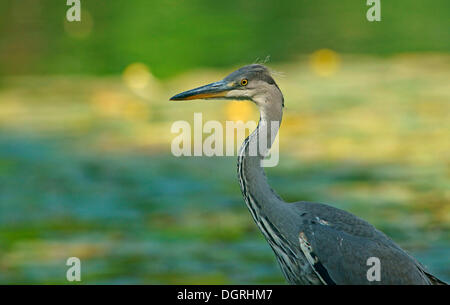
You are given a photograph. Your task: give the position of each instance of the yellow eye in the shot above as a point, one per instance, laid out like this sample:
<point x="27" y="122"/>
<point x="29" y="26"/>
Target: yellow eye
<point x="244" y="82"/>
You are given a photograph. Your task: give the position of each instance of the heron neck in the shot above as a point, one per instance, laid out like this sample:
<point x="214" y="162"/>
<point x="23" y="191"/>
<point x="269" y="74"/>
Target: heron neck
<point x="258" y="195"/>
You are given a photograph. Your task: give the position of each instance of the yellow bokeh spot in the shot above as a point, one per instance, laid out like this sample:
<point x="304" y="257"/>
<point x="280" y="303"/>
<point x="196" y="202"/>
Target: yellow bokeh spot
<point x="137" y="76"/>
<point x="238" y="111"/>
<point x="117" y="105"/>
<point x="135" y="111"/>
<point x="324" y="62"/>
<point x="107" y="103"/>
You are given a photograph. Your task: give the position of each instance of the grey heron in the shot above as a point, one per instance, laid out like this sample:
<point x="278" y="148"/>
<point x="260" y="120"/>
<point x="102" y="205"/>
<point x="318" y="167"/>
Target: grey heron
<point x="314" y="243"/>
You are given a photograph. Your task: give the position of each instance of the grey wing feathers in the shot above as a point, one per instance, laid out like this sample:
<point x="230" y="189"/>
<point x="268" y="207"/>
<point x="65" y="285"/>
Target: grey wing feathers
<point x="338" y="245"/>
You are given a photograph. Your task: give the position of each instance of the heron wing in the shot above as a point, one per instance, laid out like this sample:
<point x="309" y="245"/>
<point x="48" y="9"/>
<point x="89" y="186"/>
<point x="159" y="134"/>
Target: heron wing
<point x="343" y="249"/>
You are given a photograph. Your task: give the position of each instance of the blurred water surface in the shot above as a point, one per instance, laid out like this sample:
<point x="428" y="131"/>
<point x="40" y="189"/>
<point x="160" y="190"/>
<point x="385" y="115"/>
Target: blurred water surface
<point x="86" y="169"/>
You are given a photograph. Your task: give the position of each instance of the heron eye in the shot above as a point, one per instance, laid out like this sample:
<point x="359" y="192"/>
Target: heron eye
<point x="244" y="82"/>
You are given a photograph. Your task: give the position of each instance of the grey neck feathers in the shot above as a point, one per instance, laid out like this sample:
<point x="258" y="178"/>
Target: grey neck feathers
<point x="258" y="195"/>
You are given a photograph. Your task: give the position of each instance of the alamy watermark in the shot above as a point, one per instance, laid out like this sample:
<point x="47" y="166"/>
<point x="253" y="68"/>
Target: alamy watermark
<point x="213" y="144"/>
<point x="74" y="12"/>
<point x="374" y="272"/>
<point x="73" y="274"/>
<point x="374" y="12"/>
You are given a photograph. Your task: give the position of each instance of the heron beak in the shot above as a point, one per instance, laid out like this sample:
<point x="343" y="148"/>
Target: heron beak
<point x="215" y="90"/>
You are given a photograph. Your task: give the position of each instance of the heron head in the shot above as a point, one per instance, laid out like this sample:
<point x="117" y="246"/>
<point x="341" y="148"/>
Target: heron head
<point x="252" y="82"/>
